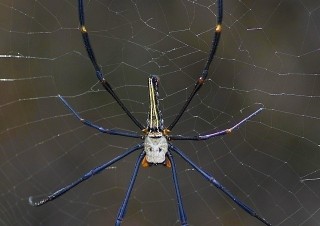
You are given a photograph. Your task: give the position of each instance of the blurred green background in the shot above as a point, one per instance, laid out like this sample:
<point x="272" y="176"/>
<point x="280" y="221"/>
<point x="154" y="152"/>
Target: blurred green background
<point x="268" y="57"/>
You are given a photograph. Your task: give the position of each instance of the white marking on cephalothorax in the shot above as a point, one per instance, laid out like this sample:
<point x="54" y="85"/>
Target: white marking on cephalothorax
<point x="156" y="148"/>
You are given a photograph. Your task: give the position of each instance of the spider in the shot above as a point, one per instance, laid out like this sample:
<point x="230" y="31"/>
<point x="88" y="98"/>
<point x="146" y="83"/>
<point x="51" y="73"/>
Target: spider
<point x="156" y="146"/>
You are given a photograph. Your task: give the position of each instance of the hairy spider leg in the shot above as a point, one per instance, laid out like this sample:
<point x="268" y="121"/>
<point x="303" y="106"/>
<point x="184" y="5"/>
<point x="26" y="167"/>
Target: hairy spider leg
<point x="99" y="73"/>
<point x="219" y="133"/>
<point x="85" y="177"/>
<point x="99" y="128"/>
<point x="200" y="81"/>
<point x="123" y="207"/>
<point x="182" y="214"/>
<point x="213" y="181"/>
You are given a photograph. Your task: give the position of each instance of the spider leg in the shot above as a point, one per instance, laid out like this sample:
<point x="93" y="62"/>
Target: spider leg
<point x="182" y="214"/>
<point x="97" y="68"/>
<point x="200" y="81"/>
<point x="85" y="177"/>
<point x="219" y="133"/>
<point x="213" y="181"/>
<point x="101" y="129"/>
<point x="123" y="207"/>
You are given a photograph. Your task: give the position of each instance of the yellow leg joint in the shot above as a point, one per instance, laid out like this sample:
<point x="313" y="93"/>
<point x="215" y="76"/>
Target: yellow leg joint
<point x="218" y="28"/>
<point x="144" y="162"/>
<point x="83" y="29"/>
<point x="166" y="132"/>
<point x="167" y="163"/>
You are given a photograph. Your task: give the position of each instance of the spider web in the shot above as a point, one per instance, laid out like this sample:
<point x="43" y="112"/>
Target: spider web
<point x="268" y="57"/>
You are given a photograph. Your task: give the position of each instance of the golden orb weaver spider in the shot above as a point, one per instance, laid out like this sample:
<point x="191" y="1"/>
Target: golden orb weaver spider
<point x="156" y="138"/>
